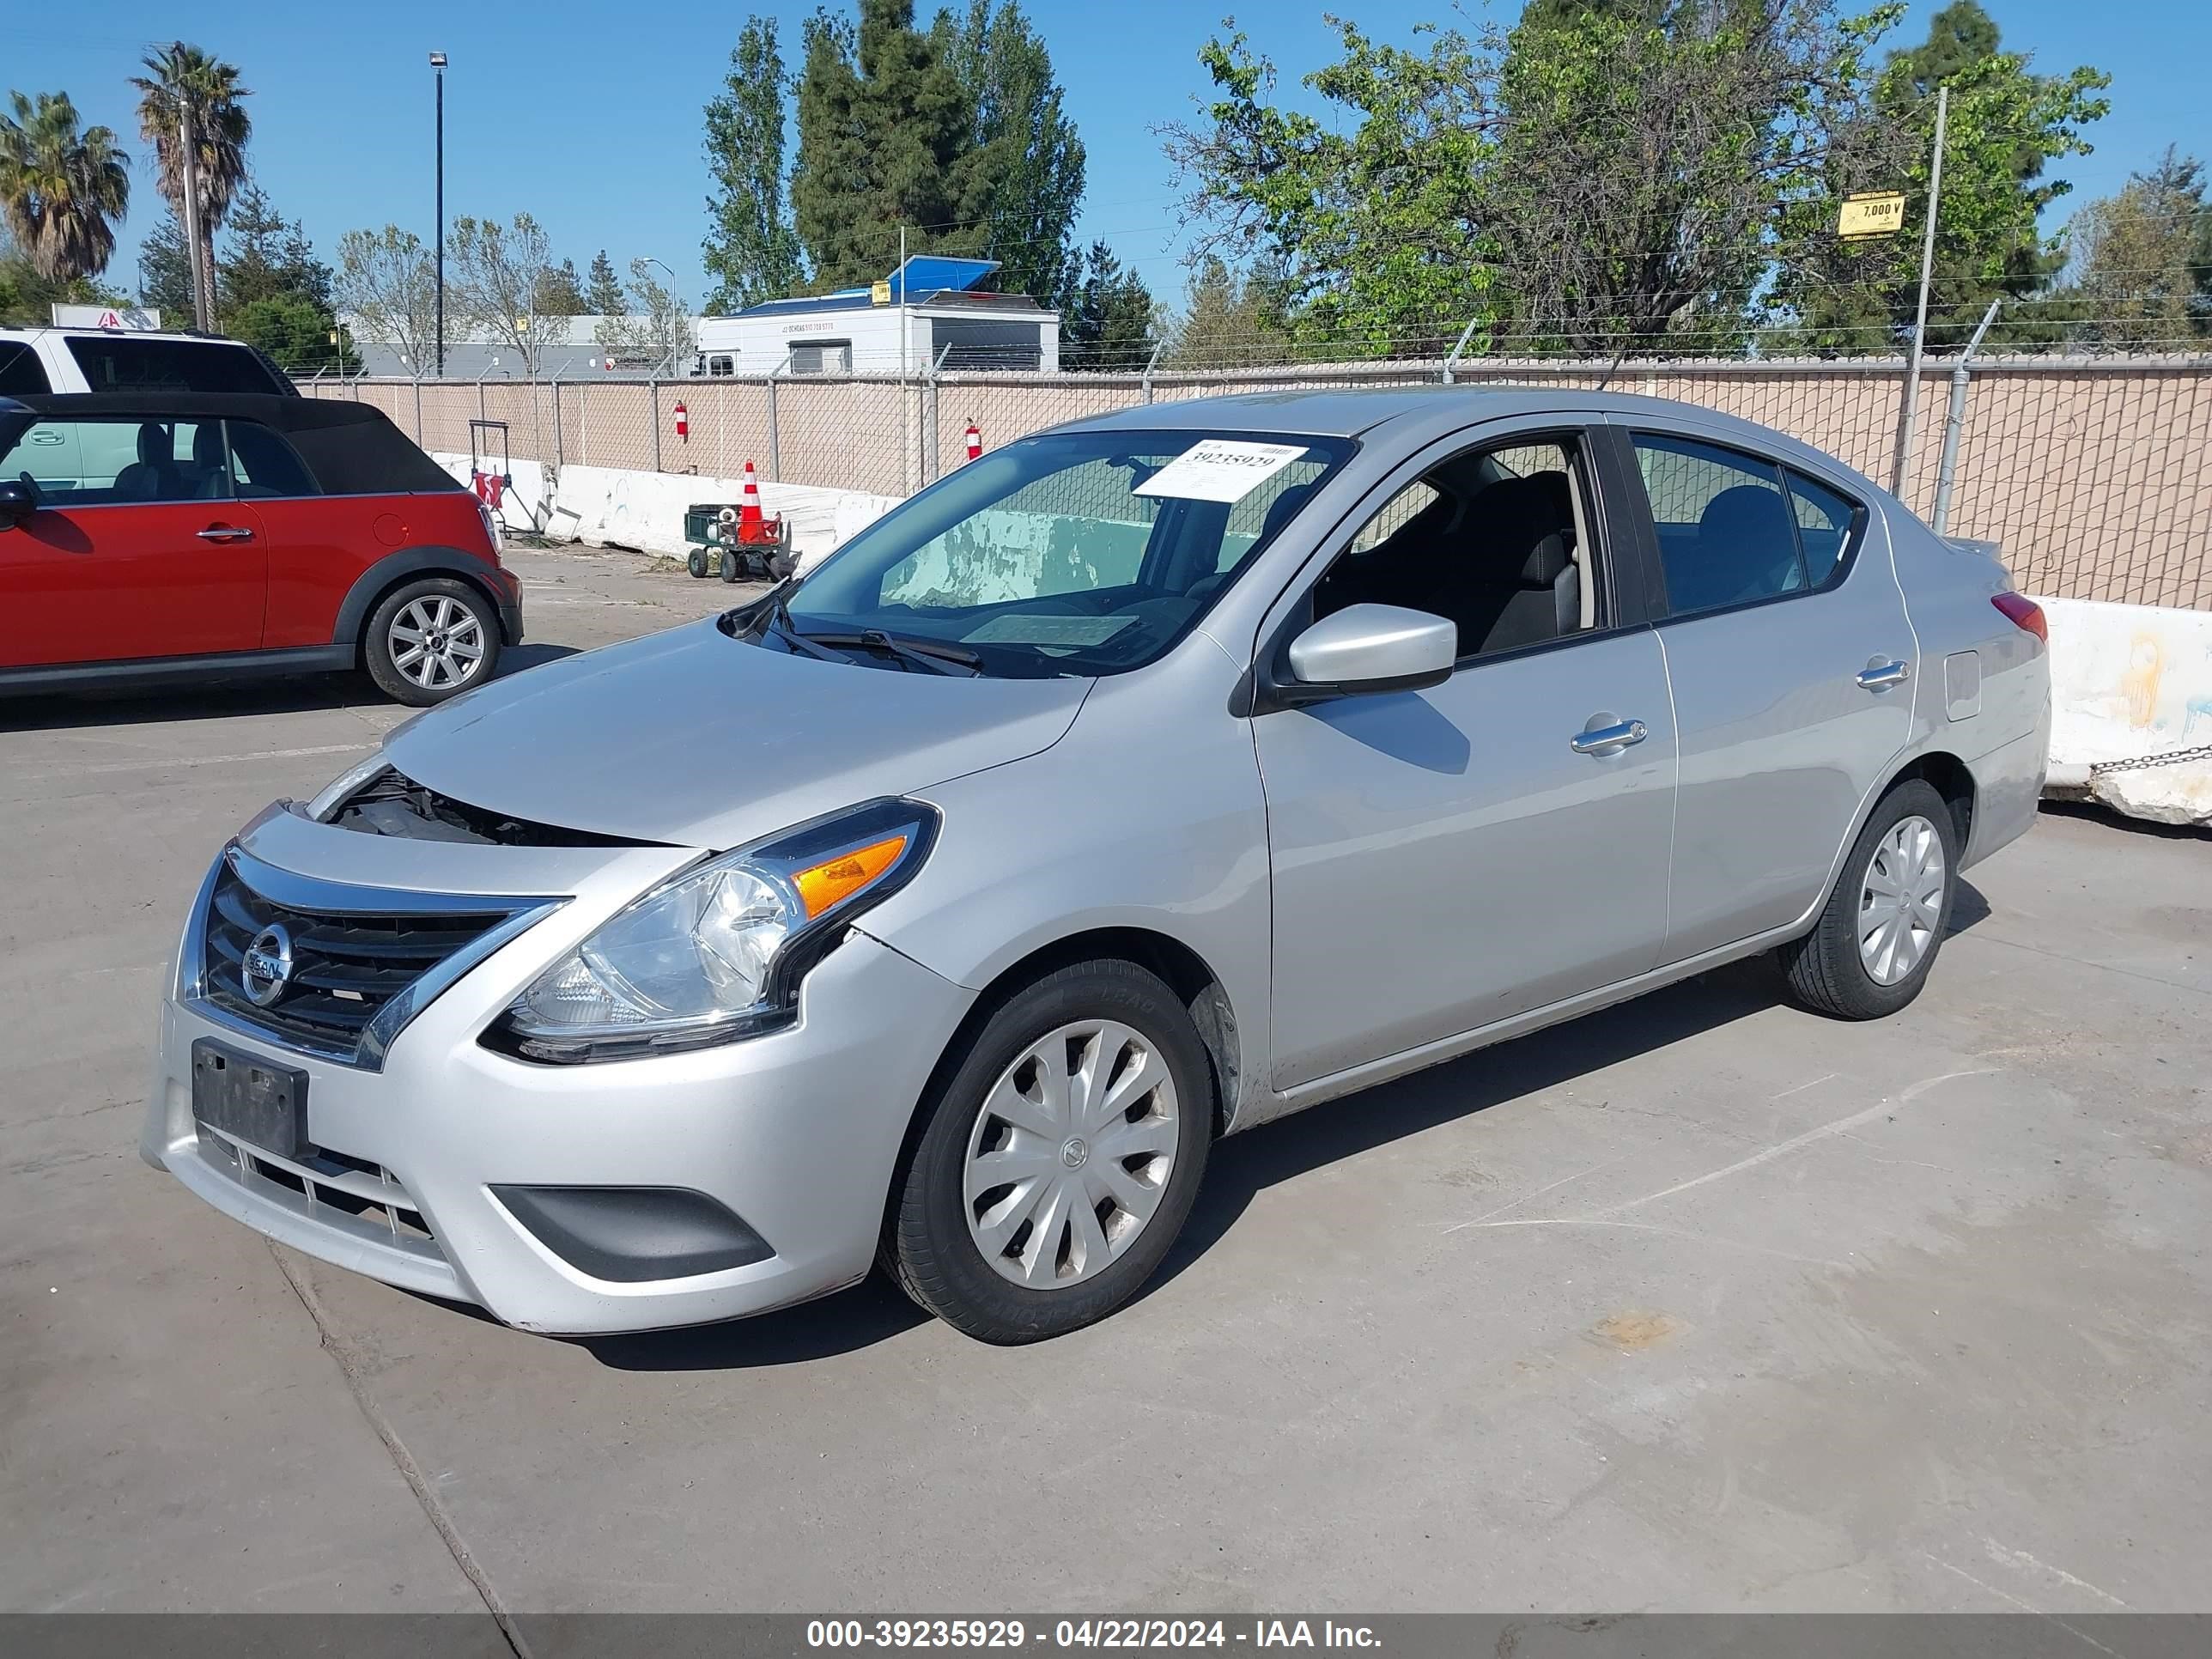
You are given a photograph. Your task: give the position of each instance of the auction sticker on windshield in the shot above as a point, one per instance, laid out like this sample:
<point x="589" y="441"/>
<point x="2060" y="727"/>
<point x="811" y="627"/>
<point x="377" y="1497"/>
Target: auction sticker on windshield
<point x="1220" y="470"/>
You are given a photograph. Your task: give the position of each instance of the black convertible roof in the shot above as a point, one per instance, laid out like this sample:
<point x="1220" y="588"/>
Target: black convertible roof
<point x="352" y="448"/>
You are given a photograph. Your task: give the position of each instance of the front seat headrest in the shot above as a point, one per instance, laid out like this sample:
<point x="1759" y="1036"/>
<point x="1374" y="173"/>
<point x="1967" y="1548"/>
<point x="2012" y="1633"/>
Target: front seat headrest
<point x="156" y="444"/>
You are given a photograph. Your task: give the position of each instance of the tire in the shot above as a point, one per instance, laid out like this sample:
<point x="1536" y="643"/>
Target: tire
<point x="1827" y="971"/>
<point x="931" y="1234"/>
<point x="695" y="562"/>
<point x="434" y="609"/>
<point x="730" y="567"/>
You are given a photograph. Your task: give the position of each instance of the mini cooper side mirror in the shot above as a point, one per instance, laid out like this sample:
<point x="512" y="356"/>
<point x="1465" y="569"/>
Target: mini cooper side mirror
<point x="18" y="500"/>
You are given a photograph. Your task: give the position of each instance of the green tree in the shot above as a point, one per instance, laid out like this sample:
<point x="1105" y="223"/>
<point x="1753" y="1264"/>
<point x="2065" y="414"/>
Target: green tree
<point x="498" y="275"/>
<point x="2137" y="262"/>
<point x="252" y="267"/>
<point x="1024" y="167"/>
<point x="182" y="79"/>
<point x="2006" y="124"/>
<point x="1229" y="320"/>
<point x="293" y="331"/>
<point x="752" y="250"/>
<point x="61" y="187"/>
<point x="386" y="287"/>
<point x="165" y="271"/>
<point x="1107" y="315"/>
<point x="27" y="297"/>
<point x="883" y="132"/>
<point x="561" y="293"/>
<point x="603" y="297"/>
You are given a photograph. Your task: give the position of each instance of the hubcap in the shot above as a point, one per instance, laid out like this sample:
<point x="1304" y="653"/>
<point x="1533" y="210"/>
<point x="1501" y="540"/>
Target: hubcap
<point x="437" y="642"/>
<point x="1070" y="1154"/>
<point x="1901" y="901"/>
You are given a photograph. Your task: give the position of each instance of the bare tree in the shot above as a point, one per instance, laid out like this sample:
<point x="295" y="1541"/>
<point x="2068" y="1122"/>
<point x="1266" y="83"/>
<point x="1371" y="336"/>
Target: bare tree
<point x="659" y="333"/>
<point x="500" y="277"/>
<point x="388" y="290"/>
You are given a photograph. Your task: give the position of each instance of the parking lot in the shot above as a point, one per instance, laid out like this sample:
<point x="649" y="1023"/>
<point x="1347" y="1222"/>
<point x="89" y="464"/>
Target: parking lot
<point x="1699" y="1304"/>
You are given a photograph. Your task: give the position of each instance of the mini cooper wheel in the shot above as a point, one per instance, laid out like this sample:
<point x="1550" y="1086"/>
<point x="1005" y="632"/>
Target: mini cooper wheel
<point x="431" y="640"/>
<point x="1060" y="1158"/>
<point x="1877" y="936"/>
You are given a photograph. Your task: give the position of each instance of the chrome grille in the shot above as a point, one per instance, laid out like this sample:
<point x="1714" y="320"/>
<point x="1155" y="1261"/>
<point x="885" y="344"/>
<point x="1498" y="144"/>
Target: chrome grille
<point x="346" y="966"/>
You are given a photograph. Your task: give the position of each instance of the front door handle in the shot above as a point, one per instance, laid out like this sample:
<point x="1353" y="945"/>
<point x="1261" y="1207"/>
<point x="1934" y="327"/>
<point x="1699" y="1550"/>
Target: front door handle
<point x="1880" y="675"/>
<point x="1608" y="740"/>
<point x="226" y="532"/>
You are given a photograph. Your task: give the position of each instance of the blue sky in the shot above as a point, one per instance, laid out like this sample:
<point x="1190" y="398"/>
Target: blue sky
<point x="588" y="115"/>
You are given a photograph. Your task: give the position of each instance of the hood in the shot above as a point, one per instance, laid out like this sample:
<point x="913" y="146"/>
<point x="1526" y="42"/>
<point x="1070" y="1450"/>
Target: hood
<point x="698" y="740"/>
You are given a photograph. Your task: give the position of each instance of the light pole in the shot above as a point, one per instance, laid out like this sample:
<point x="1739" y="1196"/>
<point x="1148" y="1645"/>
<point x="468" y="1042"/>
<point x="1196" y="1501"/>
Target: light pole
<point x="650" y="260"/>
<point x="438" y="69"/>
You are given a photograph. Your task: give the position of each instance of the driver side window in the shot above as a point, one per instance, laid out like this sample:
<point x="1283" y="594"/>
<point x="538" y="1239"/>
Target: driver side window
<point x="1495" y="538"/>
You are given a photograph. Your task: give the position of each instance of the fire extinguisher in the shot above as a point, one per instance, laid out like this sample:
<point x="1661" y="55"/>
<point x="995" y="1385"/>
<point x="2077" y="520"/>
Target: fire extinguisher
<point x="683" y="424"/>
<point x="975" y="441"/>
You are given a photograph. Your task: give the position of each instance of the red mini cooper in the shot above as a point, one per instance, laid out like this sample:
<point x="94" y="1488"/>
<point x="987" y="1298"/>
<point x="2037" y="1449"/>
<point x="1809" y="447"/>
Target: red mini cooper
<point x="148" y="536"/>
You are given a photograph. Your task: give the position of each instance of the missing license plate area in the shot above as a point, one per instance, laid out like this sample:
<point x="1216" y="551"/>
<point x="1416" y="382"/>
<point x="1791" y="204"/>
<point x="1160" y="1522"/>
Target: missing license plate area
<point x="244" y="1096"/>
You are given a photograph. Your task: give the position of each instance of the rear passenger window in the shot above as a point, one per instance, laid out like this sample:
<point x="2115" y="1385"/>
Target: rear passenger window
<point x="125" y="362"/>
<point x="1824" y="525"/>
<point x="262" y="465"/>
<point x="118" y="463"/>
<point x="20" y="369"/>
<point x="1727" y="534"/>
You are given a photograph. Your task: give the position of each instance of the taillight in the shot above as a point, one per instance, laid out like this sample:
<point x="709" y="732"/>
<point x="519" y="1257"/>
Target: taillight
<point x="494" y="531"/>
<point x="2024" y="614"/>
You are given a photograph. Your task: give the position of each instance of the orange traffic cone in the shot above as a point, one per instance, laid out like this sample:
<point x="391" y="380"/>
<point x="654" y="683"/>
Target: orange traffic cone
<point x="749" y="509"/>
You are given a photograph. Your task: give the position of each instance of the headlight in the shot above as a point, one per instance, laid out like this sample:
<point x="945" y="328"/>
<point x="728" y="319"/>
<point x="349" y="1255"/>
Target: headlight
<point x="717" y="952"/>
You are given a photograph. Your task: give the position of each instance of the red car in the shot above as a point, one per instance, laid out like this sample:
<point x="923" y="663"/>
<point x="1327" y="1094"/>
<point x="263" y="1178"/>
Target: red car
<point x="151" y="536"/>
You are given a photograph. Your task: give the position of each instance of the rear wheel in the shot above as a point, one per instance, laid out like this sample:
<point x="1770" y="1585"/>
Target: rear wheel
<point x="1061" y="1159"/>
<point x="430" y="640"/>
<point x="730" y="568"/>
<point x="695" y="562"/>
<point x="1877" y="936"/>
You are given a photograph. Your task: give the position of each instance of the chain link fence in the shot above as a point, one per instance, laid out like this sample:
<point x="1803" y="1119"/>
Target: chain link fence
<point x="2095" y="474"/>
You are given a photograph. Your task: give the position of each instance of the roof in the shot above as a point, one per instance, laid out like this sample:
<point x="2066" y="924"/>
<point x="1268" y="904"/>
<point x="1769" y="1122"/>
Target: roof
<point x="926" y="279"/>
<point x="83" y="331"/>
<point x="933" y="273"/>
<point x="1416" y="414"/>
<point x="351" y="448"/>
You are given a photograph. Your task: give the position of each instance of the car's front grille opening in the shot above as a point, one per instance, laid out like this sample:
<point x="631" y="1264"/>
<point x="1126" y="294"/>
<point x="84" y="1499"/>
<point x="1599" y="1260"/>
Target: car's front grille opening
<point x="343" y="1190"/>
<point x="339" y="971"/>
<point x="392" y="804"/>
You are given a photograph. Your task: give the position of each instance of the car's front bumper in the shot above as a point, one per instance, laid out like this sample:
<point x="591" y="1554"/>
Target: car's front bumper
<point x="796" y="1131"/>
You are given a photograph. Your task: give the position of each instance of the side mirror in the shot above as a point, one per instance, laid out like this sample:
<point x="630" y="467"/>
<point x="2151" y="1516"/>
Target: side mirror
<point x="18" y="500"/>
<point x="1371" y="648"/>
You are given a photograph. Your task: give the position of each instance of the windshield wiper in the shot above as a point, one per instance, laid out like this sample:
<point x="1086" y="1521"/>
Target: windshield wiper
<point x="938" y="656"/>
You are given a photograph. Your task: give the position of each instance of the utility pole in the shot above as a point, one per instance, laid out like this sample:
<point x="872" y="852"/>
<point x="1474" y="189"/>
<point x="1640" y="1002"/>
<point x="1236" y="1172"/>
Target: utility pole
<point x="1920" y="322"/>
<point x="438" y="68"/>
<point x="203" y="306"/>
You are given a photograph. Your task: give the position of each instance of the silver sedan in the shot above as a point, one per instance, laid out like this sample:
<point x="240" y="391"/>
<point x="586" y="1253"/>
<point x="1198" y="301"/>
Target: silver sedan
<point x="1140" y="782"/>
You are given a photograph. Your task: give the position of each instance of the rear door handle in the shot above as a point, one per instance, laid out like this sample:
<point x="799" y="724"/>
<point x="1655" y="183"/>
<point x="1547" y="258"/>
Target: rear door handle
<point x="1608" y="740"/>
<point x="1880" y="676"/>
<point x="226" y="532"/>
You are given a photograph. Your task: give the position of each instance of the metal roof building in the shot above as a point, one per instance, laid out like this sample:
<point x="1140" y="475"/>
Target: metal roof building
<point x="930" y="309"/>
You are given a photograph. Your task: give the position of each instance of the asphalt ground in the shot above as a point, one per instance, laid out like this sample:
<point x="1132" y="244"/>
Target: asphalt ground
<point x="1699" y="1304"/>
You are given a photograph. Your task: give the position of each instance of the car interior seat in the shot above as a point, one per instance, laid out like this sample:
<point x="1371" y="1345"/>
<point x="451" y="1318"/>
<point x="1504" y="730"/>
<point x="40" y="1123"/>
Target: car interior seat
<point x="1747" y="549"/>
<point x="210" y="470"/>
<point x="153" y="476"/>
<point x="1519" y="583"/>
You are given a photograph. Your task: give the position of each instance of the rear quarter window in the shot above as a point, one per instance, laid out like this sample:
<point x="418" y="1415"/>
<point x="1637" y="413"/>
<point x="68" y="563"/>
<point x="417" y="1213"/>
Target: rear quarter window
<point x="125" y="362"/>
<point x="20" y="369"/>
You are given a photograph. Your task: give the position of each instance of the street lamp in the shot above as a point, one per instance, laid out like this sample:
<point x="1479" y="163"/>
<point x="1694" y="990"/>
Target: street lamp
<point x="672" y="341"/>
<point x="438" y="69"/>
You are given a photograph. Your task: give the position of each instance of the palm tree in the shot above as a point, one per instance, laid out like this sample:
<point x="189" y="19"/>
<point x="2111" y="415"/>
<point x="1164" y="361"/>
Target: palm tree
<point x="181" y="78"/>
<point x="60" y="188"/>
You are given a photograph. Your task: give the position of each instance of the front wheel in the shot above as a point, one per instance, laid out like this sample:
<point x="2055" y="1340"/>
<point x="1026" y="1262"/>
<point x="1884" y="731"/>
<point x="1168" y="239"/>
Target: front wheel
<point x="1870" y="952"/>
<point x="431" y="640"/>
<point x="1060" y="1160"/>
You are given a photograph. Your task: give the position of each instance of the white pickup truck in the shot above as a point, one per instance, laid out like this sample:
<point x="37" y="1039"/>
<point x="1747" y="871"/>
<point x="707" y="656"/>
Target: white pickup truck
<point x="111" y="359"/>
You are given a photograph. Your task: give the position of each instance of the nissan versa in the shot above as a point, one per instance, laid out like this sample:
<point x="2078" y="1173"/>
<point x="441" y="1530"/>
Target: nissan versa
<point x="1139" y="782"/>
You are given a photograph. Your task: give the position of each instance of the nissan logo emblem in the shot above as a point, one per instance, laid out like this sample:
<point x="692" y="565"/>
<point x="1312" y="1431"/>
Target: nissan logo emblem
<point x="266" y="967"/>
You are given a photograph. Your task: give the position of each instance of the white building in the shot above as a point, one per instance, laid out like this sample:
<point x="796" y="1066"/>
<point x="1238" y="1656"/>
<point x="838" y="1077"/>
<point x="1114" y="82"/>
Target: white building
<point x="928" y="306"/>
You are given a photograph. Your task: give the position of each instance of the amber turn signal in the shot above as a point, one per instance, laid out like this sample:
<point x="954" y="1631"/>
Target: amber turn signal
<point x="824" y="884"/>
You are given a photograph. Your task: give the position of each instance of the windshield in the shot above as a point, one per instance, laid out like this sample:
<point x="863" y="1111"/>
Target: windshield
<point x="1071" y="553"/>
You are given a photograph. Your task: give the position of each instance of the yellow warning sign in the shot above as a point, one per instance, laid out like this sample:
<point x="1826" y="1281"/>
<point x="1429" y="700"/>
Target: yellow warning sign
<point x="1871" y="213"/>
<point x="879" y="294"/>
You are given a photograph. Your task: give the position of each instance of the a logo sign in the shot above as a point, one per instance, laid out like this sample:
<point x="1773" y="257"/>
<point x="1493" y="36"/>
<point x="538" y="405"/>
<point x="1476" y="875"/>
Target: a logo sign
<point x="266" y="967"/>
<point x="1870" y="213"/>
<point x="124" y="318"/>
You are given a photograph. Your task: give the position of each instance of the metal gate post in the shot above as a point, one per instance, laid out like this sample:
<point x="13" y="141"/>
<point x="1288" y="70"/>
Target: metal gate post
<point x="1953" y="421"/>
<point x="419" y="443"/>
<point x="1152" y="363"/>
<point x="775" y="430"/>
<point x="929" y="452"/>
<point x="652" y="413"/>
<point x="560" y="447"/>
